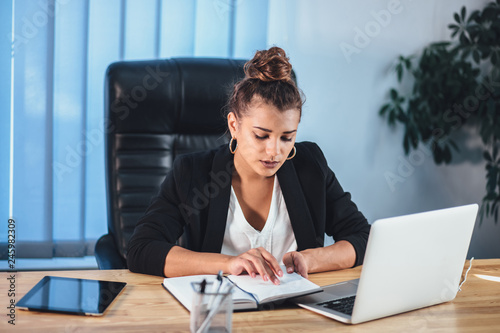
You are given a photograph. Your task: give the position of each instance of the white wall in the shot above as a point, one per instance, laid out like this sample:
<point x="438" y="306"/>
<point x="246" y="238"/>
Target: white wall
<point x="344" y="94"/>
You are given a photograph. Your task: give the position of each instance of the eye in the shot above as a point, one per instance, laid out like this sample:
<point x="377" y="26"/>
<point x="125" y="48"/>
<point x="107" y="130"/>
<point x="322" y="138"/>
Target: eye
<point x="260" y="137"/>
<point x="286" y="139"/>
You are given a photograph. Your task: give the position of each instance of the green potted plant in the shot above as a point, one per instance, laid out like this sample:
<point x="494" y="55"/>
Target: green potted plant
<point x="454" y="83"/>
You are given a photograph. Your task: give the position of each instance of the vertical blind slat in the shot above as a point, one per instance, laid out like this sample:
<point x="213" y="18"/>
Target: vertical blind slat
<point x="32" y="76"/>
<point x="177" y="28"/>
<point x="85" y="96"/>
<point x="250" y="30"/>
<point x="69" y="119"/>
<point x="231" y="32"/>
<point x="158" y="11"/>
<point x="5" y="106"/>
<point x="212" y="25"/>
<point x="49" y="120"/>
<point x="140" y="29"/>
<point x="104" y="47"/>
<point x="123" y="20"/>
<point x="278" y="22"/>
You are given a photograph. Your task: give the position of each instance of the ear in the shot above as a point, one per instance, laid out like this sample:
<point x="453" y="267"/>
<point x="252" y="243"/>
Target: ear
<point x="232" y="123"/>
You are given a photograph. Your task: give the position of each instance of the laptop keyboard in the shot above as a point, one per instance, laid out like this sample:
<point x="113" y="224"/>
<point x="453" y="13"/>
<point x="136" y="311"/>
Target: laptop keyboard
<point x="343" y="305"/>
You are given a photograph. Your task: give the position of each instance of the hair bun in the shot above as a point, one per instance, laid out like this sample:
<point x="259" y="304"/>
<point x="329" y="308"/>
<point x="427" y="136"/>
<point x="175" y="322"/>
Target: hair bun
<point x="269" y="65"/>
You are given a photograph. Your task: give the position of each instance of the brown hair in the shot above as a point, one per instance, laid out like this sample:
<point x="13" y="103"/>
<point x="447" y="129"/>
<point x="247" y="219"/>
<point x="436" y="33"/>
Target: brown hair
<point x="268" y="76"/>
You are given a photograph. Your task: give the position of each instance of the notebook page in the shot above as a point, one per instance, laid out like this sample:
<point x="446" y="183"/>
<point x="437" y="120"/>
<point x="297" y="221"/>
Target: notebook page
<point x="265" y="291"/>
<point x="181" y="288"/>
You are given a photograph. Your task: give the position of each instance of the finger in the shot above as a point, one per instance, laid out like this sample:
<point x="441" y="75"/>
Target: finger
<point x="271" y="260"/>
<point x="302" y="270"/>
<point x="249" y="267"/>
<point x="300" y="264"/>
<point x="264" y="270"/>
<point x="240" y="265"/>
<point x="271" y="265"/>
<point x="288" y="262"/>
<point x="255" y="264"/>
<point x="262" y="267"/>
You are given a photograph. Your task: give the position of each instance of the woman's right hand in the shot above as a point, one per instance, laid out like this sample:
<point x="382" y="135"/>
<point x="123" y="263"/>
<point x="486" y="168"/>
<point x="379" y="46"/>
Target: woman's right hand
<point x="256" y="261"/>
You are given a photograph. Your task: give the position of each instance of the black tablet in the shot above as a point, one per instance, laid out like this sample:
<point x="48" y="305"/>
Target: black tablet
<point x="70" y="295"/>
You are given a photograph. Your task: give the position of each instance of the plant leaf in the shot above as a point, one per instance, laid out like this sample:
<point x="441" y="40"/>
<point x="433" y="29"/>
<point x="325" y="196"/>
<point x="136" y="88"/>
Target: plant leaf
<point x="492" y="181"/>
<point x="487" y="156"/>
<point x="474" y="16"/>
<point x="392" y="118"/>
<point x="437" y="154"/>
<point x="394" y="94"/>
<point x="399" y="71"/>
<point x="406" y="144"/>
<point x="481" y="213"/>
<point x="408" y="63"/>
<point x="384" y="109"/>
<point x="463" y="39"/>
<point x="476" y="56"/>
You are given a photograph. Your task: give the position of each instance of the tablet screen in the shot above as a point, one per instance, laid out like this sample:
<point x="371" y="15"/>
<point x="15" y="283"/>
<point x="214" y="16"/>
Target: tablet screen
<point x="70" y="295"/>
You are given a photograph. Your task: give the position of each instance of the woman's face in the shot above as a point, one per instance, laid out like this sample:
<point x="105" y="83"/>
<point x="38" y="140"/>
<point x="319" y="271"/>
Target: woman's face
<point x="265" y="138"/>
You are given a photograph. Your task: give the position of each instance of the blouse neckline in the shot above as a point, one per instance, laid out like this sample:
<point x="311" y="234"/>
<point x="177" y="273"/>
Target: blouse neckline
<point x="271" y="216"/>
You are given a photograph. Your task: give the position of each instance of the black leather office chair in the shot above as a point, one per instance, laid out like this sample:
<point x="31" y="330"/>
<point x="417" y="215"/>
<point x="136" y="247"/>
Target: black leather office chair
<point x="155" y="111"/>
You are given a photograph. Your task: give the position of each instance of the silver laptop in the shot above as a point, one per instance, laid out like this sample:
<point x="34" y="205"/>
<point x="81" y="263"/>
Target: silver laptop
<point x="411" y="262"/>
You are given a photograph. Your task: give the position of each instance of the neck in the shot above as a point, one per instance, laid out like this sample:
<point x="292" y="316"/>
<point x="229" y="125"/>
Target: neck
<point x="244" y="174"/>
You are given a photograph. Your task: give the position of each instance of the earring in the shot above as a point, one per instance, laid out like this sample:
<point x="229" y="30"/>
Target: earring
<point x="293" y="155"/>
<point x="231" y="146"/>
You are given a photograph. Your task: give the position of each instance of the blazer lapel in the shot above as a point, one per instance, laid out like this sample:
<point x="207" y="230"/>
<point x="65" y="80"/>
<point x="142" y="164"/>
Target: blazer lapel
<point x="220" y="186"/>
<point x="300" y="217"/>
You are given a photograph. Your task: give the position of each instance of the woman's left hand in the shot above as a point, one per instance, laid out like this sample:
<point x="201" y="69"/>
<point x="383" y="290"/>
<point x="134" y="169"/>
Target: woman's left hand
<point x="296" y="262"/>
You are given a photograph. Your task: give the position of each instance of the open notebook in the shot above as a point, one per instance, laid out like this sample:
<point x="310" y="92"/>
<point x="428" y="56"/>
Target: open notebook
<point x="249" y="293"/>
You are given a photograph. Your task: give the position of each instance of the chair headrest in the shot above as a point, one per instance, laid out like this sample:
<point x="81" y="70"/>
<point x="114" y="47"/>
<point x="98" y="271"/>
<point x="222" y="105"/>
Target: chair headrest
<point x="178" y="95"/>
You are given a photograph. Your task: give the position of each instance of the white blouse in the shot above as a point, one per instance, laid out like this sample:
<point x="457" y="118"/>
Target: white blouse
<point x="276" y="237"/>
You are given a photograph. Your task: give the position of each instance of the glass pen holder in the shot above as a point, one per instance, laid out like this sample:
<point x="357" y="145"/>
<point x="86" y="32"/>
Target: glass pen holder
<point x="211" y="311"/>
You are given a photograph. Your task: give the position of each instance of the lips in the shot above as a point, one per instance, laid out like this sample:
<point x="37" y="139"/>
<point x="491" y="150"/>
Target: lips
<point x="269" y="164"/>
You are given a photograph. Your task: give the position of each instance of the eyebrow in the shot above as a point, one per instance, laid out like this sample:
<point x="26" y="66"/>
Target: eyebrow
<point x="269" y="131"/>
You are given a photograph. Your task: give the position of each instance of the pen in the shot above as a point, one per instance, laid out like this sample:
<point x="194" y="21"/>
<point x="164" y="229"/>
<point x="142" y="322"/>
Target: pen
<point x="216" y="291"/>
<point x="219" y="278"/>
<point x="203" y="285"/>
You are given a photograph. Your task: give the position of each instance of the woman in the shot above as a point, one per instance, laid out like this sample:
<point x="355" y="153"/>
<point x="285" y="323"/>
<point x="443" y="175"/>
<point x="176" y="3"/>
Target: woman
<point x="257" y="202"/>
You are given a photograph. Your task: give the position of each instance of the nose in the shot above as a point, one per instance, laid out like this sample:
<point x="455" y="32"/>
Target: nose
<point x="273" y="148"/>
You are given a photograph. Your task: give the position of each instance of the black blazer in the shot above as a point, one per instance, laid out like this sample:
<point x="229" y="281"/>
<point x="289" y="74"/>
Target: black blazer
<point x="195" y="197"/>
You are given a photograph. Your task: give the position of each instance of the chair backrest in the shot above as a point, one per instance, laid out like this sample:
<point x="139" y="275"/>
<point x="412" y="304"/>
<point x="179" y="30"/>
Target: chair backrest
<point x="155" y="111"/>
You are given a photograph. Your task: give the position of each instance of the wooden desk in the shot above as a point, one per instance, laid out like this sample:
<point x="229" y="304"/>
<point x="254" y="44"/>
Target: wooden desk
<point x="146" y="306"/>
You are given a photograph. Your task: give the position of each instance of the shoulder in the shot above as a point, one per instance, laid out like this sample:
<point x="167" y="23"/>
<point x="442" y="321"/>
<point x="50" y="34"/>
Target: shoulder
<point x="308" y="149"/>
<point x="309" y="155"/>
<point x="309" y="161"/>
